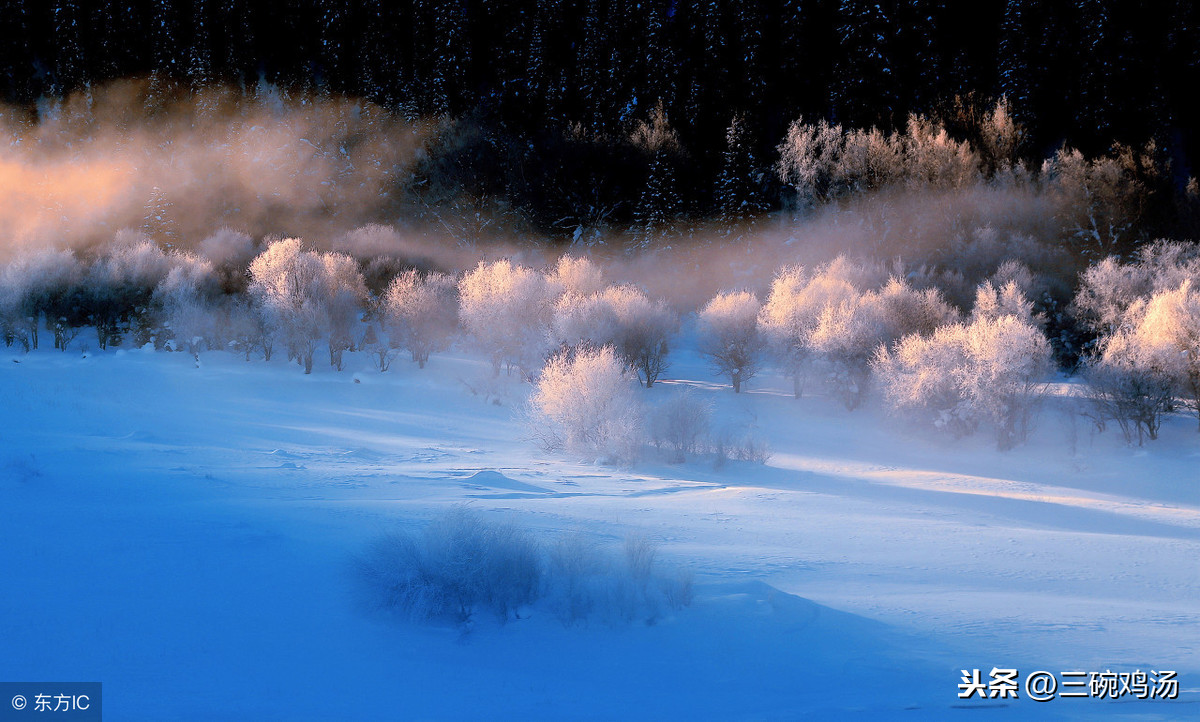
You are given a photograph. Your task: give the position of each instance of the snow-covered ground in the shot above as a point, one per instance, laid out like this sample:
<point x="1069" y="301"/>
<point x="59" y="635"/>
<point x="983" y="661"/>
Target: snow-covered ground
<point x="186" y="535"/>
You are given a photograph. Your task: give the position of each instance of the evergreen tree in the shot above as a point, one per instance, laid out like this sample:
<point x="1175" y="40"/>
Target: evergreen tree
<point x="739" y="188"/>
<point x="1016" y="70"/>
<point x="16" y="52"/>
<point x="200" y="70"/>
<point x="659" y="205"/>
<point x="865" y="91"/>
<point x="70" y="63"/>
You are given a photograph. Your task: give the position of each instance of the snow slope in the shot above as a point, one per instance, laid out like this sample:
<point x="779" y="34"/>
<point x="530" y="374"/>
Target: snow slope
<point x="186" y="535"/>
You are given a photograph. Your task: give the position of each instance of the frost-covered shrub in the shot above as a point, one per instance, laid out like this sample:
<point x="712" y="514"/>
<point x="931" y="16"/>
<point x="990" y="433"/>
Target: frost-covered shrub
<point x="507" y="310"/>
<point x="1129" y="386"/>
<point x="577" y="275"/>
<point x="33" y="285"/>
<point x="584" y="403"/>
<point x="848" y="335"/>
<point x="117" y="287"/>
<point x="992" y="302"/>
<point x="739" y="444"/>
<point x="584" y="580"/>
<point x="420" y="312"/>
<point x="681" y="425"/>
<point x="461" y="565"/>
<point x="1107" y="289"/>
<point x="729" y="336"/>
<point x="1099" y="201"/>
<point x="187" y="297"/>
<point x="990" y="370"/>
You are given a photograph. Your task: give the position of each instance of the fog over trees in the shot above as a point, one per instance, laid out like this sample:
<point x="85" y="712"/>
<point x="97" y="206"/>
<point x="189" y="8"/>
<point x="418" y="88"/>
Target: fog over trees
<point x="589" y="190"/>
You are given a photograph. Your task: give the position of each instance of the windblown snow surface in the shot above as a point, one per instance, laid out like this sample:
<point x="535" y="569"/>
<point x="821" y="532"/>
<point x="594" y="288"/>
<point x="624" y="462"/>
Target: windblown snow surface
<point x="185" y="535"/>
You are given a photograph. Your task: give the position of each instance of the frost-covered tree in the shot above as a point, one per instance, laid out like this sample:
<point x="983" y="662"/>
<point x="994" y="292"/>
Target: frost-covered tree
<point x="935" y="160"/>
<point x="344" y="293"/>
<point x="623" y="317"/>
<point x="643" y="330"/>
<point x="1129" y="384"/>
<point x="420" y="312"/>
<point x="1167" y="338"/>
<point x="808" y="160"/>
<point x="230" y="253"/>
<point x="186" y="299"/>
<point x="1099" y="201"/>
<point x="577" y="275"/>
<point x="33" y="286"/>
<point x="507" y="310"/>
<point x="287" y="285"/>
<point x="991" y="370"/>
<point x="584" y="403"/>
<point x="118" y="285"/>
<point x="849" y="333"/>
<point x="729" y="335"/>
<point x="786" y="321"/>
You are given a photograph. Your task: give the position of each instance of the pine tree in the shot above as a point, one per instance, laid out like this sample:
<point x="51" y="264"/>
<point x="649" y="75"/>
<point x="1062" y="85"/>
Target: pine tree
<point x="332" y="19"/>
<point x="739" y="188"/>
<point x="660" y="205"/>
<point x="70" y="64"/>
<point x="200" y="70"/>
<point x="1016" y="64"/>
<point x="865" y="89"/>
<point x="16" y="53"/>
<point x="1092" y="106"/>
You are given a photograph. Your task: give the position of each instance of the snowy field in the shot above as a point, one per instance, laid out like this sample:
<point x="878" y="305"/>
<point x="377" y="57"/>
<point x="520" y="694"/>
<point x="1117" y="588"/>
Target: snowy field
<point x="186" y="536"/>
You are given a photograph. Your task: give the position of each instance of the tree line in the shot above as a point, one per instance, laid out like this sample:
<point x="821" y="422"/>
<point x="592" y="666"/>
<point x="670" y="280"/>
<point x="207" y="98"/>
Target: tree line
<point x="546" y="94"/>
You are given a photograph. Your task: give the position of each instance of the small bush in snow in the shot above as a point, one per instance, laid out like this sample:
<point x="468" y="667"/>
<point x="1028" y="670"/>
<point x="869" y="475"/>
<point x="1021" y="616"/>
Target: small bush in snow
<point x="584" y="403"/>
<point x="462" y="564"/>
<point x="586" y="581"/>
<point x="729" y="336"/>
<point x="681" y="425"/>
<point x="739" y="446"/>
